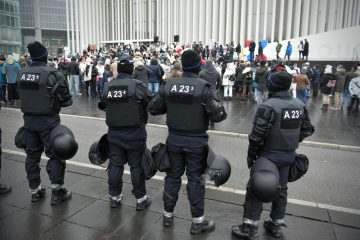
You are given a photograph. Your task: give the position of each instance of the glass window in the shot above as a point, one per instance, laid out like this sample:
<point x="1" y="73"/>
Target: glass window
<point x="8" y="22"/>
<point x="11" y="8"/>
<point x="2" y="5"/>
<point x="7" y="6"/>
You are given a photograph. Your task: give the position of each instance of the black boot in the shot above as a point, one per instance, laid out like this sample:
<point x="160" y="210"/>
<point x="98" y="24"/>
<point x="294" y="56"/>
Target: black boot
<point x="245" y="231"/>
<point x="273" y="228"/>
<point x="115" y="201"/>
<point x="143" y="205"/>
<point x="40" y="194"/>
<point x="204" y="226"/>
<point x="60" y="195"/>
<point x="168" y="221"/>
<point x="5" y="188"/>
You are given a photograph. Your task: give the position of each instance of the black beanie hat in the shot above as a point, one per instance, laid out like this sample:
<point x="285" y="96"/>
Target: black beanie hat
<point x="38" y="52"/>
<point x="191" y="61"/>
<point x="279" y="81"/>
<point x="125" y="64"/>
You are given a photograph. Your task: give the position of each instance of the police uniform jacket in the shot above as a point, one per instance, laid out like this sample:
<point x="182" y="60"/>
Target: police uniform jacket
<point x="43" y="91"/>
<point x="125" y="101"/>
<point x="280" y="124"/>
<point x="188" y="102"/>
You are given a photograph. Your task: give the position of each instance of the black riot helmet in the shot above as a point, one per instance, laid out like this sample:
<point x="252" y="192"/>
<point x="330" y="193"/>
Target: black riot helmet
<point x="218" y="168"/>
<point x="264" y="180"/>
<point x="62" y="143"/>
<point x="99" y="151"/>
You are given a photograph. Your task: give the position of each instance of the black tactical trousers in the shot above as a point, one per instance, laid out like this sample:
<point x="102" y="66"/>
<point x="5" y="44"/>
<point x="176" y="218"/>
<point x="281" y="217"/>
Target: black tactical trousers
<point x="122" y="152"/>
<point x="35" y="144"/>
<point x="253" y="207"/>
<point x="193" y="160"/>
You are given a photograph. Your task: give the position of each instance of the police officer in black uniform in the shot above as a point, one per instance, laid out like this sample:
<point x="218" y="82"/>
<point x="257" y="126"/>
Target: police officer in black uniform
<point x="280" y="124"/>
<point x="125" y="101"/>
<point x="189" y="103"/>
<point x="43" y="91"/>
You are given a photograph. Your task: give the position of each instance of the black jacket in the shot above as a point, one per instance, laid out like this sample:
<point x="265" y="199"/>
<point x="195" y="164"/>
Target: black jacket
<point x="212" y="76"/>
<point x="261" y="76"/>
<point x="74" y="68"/>
<point x="142" y="73"/>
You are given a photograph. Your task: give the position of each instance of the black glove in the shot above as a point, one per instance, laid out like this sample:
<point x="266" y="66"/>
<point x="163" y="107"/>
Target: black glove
<point x="102" y="106"/>
<point x="250" y="161"/>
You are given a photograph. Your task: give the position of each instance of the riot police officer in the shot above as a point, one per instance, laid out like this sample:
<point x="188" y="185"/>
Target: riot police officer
<point x="280" y="124"/>
<point x="189" y="103"/>
<point x="125" y="101"/>
<point x="43" y="91"/>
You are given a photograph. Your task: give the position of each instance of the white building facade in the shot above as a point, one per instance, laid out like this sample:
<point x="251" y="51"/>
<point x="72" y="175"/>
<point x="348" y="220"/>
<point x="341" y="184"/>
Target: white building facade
<point x="222" y="21"/>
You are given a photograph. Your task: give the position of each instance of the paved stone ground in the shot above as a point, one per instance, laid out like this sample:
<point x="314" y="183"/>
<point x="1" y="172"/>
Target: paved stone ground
<point x="89" y="216"/>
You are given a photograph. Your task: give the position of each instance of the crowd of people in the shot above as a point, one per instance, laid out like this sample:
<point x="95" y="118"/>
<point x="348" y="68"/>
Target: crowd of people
<point x="223" y="66"/>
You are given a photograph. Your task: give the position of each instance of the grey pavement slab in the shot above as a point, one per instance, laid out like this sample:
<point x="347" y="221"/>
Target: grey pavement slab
<point x="347" y="219"/>
<point x="25" y="225"/>
<point x="64" y="210"/>
<point x="100" y="216"/>
<point x="66" y="231"/>
<point x="6" y="210"/>
<point x="88" y="216"/>
<point x="346" y="233"/>
<point x="136" y="226"/>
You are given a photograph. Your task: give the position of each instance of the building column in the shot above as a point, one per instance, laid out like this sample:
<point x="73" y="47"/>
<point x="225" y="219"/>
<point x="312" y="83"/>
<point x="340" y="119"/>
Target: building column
<point x="305" y="18"/>
<point x="289" y="24"/>
<point x="266" y="9"/>
<point x="202" y="23"/>
<point x="273" y="21"/>
<point x="297" y="17"/>
<point x="250" y="12"/>
<point x="37" y="14"/>
<point x="77" y="49"/>
<point x="235" y="29"/>
<point x="257" y="21"/>
<point x="222" y="22"/>
<point x="314" y="16"/>
<point x="281" y="21"/>
<point x="229" y="21"/>
<point x="242" y="23"/>
<point x="357" y="20"/>
<point x="73" y="50"/>
<point x="322" y="16"/>
<point x="215" y="21"/>
<point x="208" y="20"/>
<point x="188" y="22"/>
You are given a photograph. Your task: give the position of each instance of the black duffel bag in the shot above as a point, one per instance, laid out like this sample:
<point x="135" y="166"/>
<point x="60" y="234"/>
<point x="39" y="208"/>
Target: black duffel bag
<point x="147" y="164"/>
<point x="161" y="157"/>
<point x="298" y="168"/>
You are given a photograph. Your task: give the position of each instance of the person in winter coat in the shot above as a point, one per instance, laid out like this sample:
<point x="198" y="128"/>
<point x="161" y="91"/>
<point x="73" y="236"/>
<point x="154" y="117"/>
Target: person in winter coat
<point x="100" y="83"/>
<point x="176" y="72"/>
<point x="228" y="80"/>
<point x="2" y="82"/>
<point x="74" y="72"/>
<point x="260" y="50"/>
<point x="239" y="79"/>
<point x="94" y="76"/>
<point x="155" y="77"/>
<point x="252" y="47"/>
<point x="306" y="50"/>
<point x="141" y="72"/>
<point x="63" y="67"/>
<point x="278" y="49"/>
<point x="340" y="76"/>
<point x="349" y="76"/>
<point x="210" y="74"/>
<point x="301" y="81"/>
<point x="315" y="80"/>
<point x="248" y="80"/>
<point x="327" y="82"/>
<point x="261" y="75"/>
<point x="288" y="51"/>
<point x="10" y="70"/>
<point x="87" y="76"/>
<point x="300" y="49"/>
